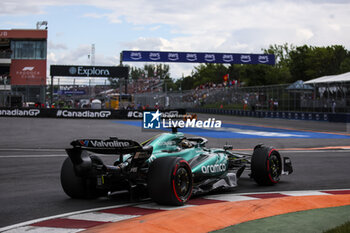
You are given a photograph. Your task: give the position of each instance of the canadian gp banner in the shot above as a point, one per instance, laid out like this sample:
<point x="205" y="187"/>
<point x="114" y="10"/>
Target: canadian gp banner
<point x="28" y="72"/>
<point x="84" y="113"/>
<point x="231" y="58"/>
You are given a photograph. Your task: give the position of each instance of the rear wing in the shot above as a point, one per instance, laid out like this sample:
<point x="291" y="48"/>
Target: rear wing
<point x="82" y="160"/>
<point x="109" y="146"/>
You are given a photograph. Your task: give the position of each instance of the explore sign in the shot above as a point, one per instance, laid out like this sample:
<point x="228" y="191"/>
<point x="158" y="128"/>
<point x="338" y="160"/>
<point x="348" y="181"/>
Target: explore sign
<point x="89" y="71"/>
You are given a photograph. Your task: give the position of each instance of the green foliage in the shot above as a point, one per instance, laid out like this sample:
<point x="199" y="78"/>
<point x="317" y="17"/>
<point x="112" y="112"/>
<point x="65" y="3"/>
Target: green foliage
<point x="206" y="73"/>
<point x="345" y="228"/>
<point x="186" y="83"/>
<point x="345" y="65"/>
<point x="114" y="82"/>
<point x="159" y="70"/>
<point x="150" y="70"/>
<point x="259" y="75"/>
<point x="136" y="73"/>
<point x="281" y="53"/>
<point x="307" y="62"/>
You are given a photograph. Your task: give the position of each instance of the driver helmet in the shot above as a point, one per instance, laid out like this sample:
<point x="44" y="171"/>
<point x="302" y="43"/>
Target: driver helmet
<point x="185" y="143"/>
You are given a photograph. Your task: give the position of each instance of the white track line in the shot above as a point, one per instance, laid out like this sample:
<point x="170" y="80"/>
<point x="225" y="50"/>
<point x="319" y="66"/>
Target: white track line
<point x="230" y="198"/>
<point x="31" y="229"/>
<point x="304" y="193"/>
<point x="155" y="206"/>
<point x="101" y="217"/>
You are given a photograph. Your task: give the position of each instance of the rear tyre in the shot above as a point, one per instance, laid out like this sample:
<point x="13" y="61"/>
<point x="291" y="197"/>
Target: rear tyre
<point x="266" y="165"/>
<point x="74" y="186"/>
<point x="170" y="181"/>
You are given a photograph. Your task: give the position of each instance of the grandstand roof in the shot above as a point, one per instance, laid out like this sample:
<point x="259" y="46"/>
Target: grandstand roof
<point x="300" y="86"/>
<point x="330" y="79"/>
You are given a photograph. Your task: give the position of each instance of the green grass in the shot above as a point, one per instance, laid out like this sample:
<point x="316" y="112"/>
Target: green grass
<point x="309" y="221"/>
<point x="345" y="228"/>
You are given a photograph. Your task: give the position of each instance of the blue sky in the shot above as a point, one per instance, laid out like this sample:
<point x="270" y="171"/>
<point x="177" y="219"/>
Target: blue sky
<point x="179" y="25"/>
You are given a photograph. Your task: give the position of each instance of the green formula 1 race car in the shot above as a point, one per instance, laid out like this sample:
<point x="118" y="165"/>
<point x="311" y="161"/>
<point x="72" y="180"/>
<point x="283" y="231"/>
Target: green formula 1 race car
<point x="168" y="167"/>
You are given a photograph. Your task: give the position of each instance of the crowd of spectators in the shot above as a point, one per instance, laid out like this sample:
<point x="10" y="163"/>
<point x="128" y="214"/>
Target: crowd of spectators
<point x="145" y="85"/>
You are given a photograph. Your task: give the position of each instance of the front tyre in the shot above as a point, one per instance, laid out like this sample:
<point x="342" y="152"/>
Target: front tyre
<point x="74" y="186"/>
<point x="170" y="181"/>
<point x="266" y="165"/>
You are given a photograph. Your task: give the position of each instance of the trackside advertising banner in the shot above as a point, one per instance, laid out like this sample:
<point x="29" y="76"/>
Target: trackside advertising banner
<point x="168" y="114"/>
<point x="89" y="71"/>
<point x="231" y="58"/>
<point x="84" y="113"/>
<point x="314" y="116"/>
<point x="28" y="72"/>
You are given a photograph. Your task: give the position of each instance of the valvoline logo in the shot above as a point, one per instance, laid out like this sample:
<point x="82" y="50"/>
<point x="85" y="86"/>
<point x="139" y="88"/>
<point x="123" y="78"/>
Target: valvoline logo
<point x="84" y="142"/>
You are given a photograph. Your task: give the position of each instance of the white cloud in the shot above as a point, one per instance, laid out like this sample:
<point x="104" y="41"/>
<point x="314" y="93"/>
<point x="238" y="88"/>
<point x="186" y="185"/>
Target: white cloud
<point x="53" y="46"/>
<point x="51" y="58"/>
<point x="78" y="56"/>
<point x="15" y="24"/>
<point x="94" y="15"/>
<point x="304" y="34"/>
<point x="144" y="44"/>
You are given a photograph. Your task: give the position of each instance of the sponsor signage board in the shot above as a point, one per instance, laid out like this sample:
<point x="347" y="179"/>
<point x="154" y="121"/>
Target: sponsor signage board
<point x="28" y="72"/>
<point x="69" y="92"/>
<point x="65" y="113"/>
<point x="231" y="58"/>
<point x="23" y="33"/>
<point x="89" y="71"/>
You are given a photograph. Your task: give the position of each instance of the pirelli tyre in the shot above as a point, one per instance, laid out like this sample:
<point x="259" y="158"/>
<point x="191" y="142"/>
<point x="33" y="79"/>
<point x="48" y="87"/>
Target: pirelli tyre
<point x="266" y="165"/>
<point x="170" y="181"/>
<point x="74" y="186"/>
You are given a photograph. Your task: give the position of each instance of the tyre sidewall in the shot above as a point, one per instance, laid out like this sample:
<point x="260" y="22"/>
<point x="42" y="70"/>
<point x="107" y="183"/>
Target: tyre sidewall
<point x="74" y="186"/>
<point x="161" y="177"/>
<point x="260" y="165"/>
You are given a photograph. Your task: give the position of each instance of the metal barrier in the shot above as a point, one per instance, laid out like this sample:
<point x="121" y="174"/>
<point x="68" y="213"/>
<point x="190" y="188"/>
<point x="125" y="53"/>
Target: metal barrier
<point x="322" y="98"/>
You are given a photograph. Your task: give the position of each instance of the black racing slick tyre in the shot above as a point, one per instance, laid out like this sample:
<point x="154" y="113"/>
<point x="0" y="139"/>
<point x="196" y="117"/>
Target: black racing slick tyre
<point x="266" y="165"/>
<point x="170" y="181"/>
<point x="74" y="186"/>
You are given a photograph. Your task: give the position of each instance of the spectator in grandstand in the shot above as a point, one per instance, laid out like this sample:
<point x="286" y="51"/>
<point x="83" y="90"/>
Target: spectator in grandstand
<point x="245" y="104"/>
<point x="156" y="106"/>
<point x="275" y="105"/>
<point x="334" y="104"/>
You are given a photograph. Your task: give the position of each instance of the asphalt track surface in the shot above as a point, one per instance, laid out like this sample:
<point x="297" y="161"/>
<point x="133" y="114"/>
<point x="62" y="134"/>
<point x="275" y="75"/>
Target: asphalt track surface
<point x="31" y="155"/>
